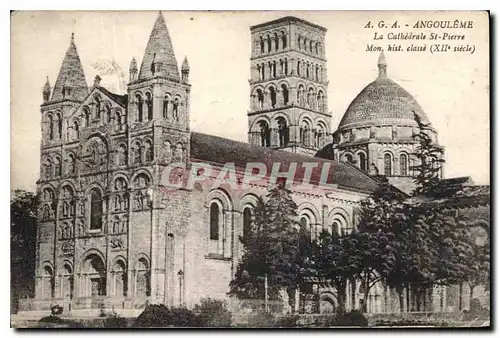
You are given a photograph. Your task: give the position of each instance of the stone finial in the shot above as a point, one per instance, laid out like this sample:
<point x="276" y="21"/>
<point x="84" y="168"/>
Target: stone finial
<point x="382" y="65"/>
<point x="46" y="91"/>
<point x="97" y="81"/>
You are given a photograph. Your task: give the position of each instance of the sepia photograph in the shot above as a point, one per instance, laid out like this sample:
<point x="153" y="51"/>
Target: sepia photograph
<point x="250" y="169"/>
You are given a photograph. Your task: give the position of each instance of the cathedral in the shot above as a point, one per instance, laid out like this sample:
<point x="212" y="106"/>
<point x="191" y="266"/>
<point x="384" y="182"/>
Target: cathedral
<point x="110" y="235"/>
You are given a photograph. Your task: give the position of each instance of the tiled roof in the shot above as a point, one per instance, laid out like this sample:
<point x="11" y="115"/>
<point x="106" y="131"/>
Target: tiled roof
<point x="121" y="99"/>
<point x="215" y="149"/>
<point x="381" y="101"/>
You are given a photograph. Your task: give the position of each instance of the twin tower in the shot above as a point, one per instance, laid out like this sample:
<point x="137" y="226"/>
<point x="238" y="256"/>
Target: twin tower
<point x="288" y="84"/>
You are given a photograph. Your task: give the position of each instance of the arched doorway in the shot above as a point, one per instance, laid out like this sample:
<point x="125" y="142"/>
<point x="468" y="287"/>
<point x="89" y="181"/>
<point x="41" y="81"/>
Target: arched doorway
<point x="94" y="273"/>
<point x="119" y="279"/>
<point x="142" y="281"/>
<point x="67" y="281"/>
<point x="327" y="304"/>
<point x="48" y="282"/>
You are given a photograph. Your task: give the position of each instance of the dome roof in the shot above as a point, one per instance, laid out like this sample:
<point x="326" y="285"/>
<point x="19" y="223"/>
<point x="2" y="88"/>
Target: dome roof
<point x="382" y="102"/>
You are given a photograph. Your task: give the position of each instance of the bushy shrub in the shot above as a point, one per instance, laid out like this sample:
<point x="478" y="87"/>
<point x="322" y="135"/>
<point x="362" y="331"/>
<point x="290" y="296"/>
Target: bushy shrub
<point x="287" y="321"/>
<point x="262" y="319"/>
<point x="353" y="318"/>
<point x="212" y="313"/>
<point x="51" y="319"/>
<point x="56" y="310"/>
<point x="115" y="322"/>
<point x="161" y="316"/>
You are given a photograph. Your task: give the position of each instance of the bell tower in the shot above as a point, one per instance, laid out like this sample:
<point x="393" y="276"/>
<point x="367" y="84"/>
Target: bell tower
<point x="288" y="86"/>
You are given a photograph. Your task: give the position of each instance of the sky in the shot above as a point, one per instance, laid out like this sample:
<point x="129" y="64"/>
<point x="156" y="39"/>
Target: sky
<point x="452" y="88"/>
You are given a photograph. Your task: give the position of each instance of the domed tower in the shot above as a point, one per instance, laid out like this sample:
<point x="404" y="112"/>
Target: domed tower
<point x="376" y="132"/>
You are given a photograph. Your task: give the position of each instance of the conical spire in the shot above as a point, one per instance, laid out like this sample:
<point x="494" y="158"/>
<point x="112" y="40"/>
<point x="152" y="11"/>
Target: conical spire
<point x="382" y="65"/>
<point x="159" y="56"/>
<point x="185" y="64"/>
<point x="133" y="64"/>
<point x="70" y="83"/>
<point x="46" y="91"/>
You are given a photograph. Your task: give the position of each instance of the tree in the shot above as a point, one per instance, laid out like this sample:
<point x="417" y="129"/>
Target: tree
<point x="272" y="249"/>
<point x="23" y="209"/>
<point x="380" y="246"/>
<point x="330" y="264"/>
<point x="429" y="161"/>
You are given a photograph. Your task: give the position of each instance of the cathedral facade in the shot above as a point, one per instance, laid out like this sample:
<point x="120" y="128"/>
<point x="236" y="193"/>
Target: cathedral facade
<point x="111" y="234"/>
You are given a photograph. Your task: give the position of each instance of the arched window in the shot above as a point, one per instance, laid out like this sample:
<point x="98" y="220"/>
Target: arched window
<point x="348" y="158"/>
<point x="48" y="168"/>
<point x="108" y="113"/>
<point x="403" y="165"/>
<point x="76" y="130"/>
<point x="97" y="107"/>
<point x="214" y="221"/>
<point x="283" y="40"/>
<point x="59" y="126"/>
<point x="70" y="165"/>
<point x="57" y="166"/>
<point x="320" y="135"/>
<point x="175" y="109"/>
<point x="118" y="118"/>
<point x="95" y="210"/>
<point x="321" y="100"/>
<point x="268" y="44"/>
<point x="149" y="104"/>
<point x="274" y="69"/>
<point x="308" y="75"/>
<point x="340" y="225"/>
<point x="300" y="95"/>
<point x="284" y="93"/>
<point x="261" y="45"/>
<point x="86" y="116"/>
<point x="316" y="47"/>
<point x="310" y="46"/>
<point x="310" y="98"/>
<point x="148" y="151"/>
<point x="306" y="225"/>
<point x="276" y="42"/>
<point x="51" y="127"/>
<point x="387" y="164"/>
<point x="263" y="70"/>
<point x="260" y="98"/>
<point x="122" y="155"/>
<point x="299" y="66"/>
<point x="362" y="161"/>
<point x="139" y="103"/>
<point x="283" y="132"/>
<point x="299" y="41"/>
<point x="265" y="134"/>
<point x="179" y="152"/>
<point x="247" y="221"/>
<point x="305" y="133"/>
<point x="272" y="95"/>
<point x="137" y="154"/>
<point x="166" y="101"/>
